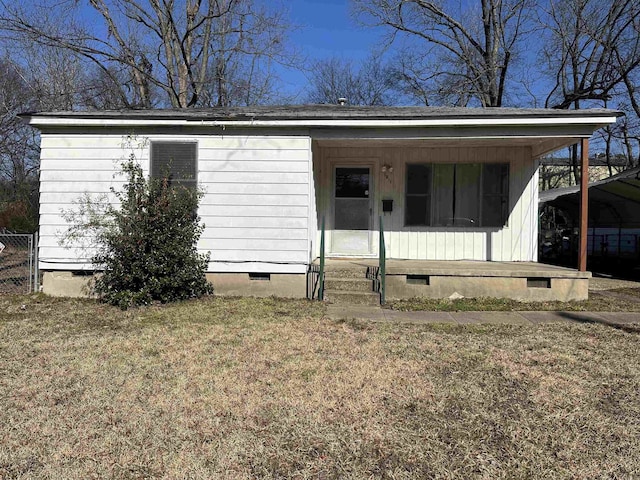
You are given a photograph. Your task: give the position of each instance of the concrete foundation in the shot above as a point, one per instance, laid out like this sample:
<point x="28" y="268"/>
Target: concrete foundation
<point x="66" y="284"/>
<point x="260" y="285"/>
<point x="526" y="281"/>
<point x="562" y="289"/>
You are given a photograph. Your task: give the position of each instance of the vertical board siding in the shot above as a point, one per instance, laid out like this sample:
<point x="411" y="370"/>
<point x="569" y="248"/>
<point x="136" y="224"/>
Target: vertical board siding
<point x="256" y="207"/>
<point x="517" y="241"/>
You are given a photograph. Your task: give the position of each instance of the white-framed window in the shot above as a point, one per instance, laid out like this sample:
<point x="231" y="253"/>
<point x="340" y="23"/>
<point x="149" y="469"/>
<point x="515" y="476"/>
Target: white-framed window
<point x="457" y="195"/>
<point x="177" y="161"/>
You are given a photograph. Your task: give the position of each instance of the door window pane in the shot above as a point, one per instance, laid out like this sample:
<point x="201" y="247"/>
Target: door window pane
<point x="352" y="183"/>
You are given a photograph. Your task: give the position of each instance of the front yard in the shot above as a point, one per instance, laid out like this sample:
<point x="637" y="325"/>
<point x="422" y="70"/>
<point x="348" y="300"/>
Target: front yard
<point x="246" y="388"/>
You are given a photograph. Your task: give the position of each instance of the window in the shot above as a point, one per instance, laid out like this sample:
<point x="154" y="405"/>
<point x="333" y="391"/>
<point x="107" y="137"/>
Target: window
<point x="418" y="203"/>
<point x="175" y="160"/>
<point x="457" y="195"/>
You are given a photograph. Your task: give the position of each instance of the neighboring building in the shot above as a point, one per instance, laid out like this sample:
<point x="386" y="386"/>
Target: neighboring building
<point x="614" y="222"/>
<point x="557" y="172"/>
<point x="449" y="184"/>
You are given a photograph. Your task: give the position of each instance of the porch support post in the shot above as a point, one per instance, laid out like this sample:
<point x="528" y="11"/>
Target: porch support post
<point x="584" y="205"/>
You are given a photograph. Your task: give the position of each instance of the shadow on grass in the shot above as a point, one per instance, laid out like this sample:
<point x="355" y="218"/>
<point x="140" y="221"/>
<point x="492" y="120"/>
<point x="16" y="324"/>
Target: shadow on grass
<point x="577" y="317"/>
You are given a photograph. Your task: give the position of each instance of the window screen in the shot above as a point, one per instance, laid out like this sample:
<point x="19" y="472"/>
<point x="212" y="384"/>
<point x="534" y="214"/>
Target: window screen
<point x="175" y="160"/>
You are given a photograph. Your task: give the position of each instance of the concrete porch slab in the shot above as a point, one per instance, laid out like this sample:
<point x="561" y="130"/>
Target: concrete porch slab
<point x="522" y="281"/>
<point x="468" y="268"/>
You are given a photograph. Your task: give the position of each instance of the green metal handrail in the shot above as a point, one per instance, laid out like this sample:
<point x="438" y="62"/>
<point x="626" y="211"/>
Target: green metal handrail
<point x="382" y="251"/>
<point x="321" y="277"/>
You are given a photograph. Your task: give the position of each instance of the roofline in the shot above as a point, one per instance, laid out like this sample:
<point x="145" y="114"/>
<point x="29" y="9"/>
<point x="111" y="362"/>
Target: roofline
<point x="596" y="120"/>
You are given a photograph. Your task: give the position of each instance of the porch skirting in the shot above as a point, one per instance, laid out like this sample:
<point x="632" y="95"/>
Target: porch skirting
<point x="523" y="281"/>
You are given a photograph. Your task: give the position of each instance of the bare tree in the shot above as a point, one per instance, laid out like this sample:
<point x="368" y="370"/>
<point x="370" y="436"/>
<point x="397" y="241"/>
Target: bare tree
<point x="170" y="45"/>
<point x="367" y="84"/>
<point x="466" y="53"/>
<point x="592" y="49"/>
<point x="18" y="142"/>
<point x="245" y="45"/>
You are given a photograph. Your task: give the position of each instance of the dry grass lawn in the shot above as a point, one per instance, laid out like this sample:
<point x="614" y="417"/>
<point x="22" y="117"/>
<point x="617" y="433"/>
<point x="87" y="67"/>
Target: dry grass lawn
<point x="245" y="388"/>
<point x="610" y="300"/>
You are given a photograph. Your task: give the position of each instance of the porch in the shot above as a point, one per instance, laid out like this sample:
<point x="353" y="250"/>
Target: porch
<point x="523" y="281"/>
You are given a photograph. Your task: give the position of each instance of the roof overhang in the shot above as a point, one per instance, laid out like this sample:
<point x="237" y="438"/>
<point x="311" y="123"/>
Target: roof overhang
<point x="544" y="130"/>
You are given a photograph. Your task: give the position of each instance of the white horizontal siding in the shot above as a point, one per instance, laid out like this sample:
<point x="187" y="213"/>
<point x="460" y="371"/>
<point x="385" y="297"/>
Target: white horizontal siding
<point x="253" y="200"/>
<point x="255" y="189"/>
<point x="261" y="223"/>
<point x="255" y="208"/>
<point x="230" y="211"/>
<point x="284" y="178"/>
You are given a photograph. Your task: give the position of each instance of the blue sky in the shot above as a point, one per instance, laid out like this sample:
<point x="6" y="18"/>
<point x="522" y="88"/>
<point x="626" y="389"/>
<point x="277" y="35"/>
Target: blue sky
<point x="326" y="29"/>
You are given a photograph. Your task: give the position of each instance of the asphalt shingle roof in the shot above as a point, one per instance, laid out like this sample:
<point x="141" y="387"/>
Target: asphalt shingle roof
<point x="329" y="112"/>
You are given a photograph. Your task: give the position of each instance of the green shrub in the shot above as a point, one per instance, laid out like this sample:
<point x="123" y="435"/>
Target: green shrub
<point x="147" y="246"/>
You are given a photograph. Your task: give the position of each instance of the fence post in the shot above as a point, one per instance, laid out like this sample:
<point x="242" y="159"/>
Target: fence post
<point x="36" y="262"/>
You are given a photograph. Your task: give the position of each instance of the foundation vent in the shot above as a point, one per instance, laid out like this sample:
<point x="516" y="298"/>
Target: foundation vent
<point x="418" y="280"/>
<point x="538" y="282"/>
<point x="264" y="277"/>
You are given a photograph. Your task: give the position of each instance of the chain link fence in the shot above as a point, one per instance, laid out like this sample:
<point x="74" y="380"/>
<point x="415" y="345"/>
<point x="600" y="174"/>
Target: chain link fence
<point x="18" y="263"/>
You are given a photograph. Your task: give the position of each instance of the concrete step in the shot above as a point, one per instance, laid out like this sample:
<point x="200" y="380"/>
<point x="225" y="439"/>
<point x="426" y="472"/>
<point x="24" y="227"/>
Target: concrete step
<point x="350" y="284"/>
<point x="345" y="273"/>
<point x="346" y="297"/>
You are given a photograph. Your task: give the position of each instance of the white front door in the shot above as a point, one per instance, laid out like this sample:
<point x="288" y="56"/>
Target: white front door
<point x="352" y="210"/>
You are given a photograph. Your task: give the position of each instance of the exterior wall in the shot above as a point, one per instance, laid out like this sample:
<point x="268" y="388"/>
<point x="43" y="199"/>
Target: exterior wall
<point x="256" y="207"/>
<point x="515" y="242"/>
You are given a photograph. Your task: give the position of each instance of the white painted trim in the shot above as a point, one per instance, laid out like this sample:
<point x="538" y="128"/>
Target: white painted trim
<point x="355" y="123"/>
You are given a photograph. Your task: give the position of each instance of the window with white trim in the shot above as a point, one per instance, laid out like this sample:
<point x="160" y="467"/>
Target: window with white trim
<point x="176" y="161"/>
<point x="457" y="195"/>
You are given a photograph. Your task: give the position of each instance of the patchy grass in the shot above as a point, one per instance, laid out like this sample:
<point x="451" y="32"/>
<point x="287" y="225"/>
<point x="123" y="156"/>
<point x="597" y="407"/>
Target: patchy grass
<point x="616" y="300"/>
<point x="246" y="388"/>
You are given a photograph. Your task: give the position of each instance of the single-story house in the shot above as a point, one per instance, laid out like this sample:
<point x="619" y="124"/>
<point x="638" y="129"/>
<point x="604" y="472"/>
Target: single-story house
<point x="456" y="190"/>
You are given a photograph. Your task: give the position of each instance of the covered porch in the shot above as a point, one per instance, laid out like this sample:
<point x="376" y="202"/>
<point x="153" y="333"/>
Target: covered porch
<point x="451" y="204"/>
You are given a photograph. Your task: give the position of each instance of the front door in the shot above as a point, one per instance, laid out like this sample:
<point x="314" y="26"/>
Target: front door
<point x="352" y="211"/>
